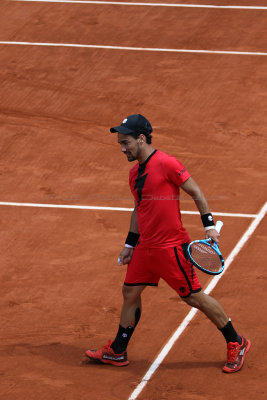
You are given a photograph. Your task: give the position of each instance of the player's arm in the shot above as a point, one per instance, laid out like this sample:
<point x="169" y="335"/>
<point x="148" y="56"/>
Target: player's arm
<point x="134" y="224"/>
<point x="131" y="240"/>
<point x="193" y="190"/>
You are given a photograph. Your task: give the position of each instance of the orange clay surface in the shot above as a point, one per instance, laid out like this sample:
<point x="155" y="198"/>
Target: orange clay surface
<point x="60" y="283"/>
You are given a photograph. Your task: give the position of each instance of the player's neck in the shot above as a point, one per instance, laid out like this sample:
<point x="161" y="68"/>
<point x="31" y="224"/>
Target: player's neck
<point x="146" y="152"/>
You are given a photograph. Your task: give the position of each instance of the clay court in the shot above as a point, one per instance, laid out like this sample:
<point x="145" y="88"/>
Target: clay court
<point x="70" y="71"/>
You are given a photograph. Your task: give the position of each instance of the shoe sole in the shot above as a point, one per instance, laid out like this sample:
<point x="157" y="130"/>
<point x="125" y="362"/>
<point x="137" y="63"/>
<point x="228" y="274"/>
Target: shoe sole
<point x="114" y="363"/>
<point x="228" y="370"/>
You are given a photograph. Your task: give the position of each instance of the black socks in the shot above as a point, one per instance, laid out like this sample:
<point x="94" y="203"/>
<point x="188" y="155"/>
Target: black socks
<point x="124" y="335"/>
<point x="230" y="334"/>
<point x="122" y="339"/>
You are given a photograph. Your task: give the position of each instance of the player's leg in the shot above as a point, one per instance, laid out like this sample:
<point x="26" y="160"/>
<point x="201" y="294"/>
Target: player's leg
<point x="138" y="276"/>
<point x="115" y="352"/>
<point x="132" y="305"/>
<point x="209" y="306"/>
<point x="237" y="346"/>
<point x="130" y="315"/>
<point x="181" y="276"/>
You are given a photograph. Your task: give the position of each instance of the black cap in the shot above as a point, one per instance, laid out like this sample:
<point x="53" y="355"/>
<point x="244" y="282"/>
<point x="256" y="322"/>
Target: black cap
<point x="136" y="123"/>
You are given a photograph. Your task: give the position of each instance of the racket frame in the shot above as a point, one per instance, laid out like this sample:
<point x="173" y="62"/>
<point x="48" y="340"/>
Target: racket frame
<point x="215" y="247"/>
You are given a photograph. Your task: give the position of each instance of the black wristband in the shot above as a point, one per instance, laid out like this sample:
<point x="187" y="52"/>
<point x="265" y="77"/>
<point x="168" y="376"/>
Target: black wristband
<point x="132" y="239"/>
<point x="207" y="220"/>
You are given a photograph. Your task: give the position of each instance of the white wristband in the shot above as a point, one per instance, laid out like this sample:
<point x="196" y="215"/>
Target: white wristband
<point x="129" y="246"/>
<point x="210" y="227"/>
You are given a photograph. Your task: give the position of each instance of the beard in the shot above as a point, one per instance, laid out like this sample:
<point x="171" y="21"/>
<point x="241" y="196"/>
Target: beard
<point x="133" y="157"/>
<point x="130" y="157"/>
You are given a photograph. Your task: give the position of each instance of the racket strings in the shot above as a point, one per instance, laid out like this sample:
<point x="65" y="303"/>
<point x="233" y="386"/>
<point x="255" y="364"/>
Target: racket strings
<point x="206" y="257"/>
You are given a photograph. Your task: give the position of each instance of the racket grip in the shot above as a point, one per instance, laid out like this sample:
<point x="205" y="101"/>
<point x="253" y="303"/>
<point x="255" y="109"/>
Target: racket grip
<point x="219" y="225"/>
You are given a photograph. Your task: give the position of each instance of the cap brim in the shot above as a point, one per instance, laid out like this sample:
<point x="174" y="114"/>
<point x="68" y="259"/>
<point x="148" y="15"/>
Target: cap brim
<point x="121" y="129"/>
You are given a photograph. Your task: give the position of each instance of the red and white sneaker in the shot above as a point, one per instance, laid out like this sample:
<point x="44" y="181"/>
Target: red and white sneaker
<point x="106" y="355"/>
<point x="236" y="355"/>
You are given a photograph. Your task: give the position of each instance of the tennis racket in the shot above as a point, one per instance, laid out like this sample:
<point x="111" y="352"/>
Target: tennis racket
<point x="205" y="254"/>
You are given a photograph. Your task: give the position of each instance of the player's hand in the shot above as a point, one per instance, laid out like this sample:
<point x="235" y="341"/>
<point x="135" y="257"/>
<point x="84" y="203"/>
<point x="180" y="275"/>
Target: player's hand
<point x="214" y="235"/>
<point x="125" y="256"/>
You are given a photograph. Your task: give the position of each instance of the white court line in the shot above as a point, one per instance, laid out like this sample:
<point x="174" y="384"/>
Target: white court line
<point x="4" y="203"/>
<point x="156" y="363"/>
<point x="222" y="214"/>
<point x="91" y="46"/>
<point x="148" y="4"/>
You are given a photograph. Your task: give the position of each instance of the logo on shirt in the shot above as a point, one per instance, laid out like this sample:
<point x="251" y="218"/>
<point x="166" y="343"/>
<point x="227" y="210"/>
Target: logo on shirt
<point x="181" y="172"/>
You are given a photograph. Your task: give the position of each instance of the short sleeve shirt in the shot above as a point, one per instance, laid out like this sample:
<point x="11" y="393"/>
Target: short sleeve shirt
<point x="155" y="185"/>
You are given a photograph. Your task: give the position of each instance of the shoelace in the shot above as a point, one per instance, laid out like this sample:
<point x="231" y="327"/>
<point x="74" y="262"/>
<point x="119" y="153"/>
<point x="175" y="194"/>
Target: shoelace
<point x="232" y="352"/>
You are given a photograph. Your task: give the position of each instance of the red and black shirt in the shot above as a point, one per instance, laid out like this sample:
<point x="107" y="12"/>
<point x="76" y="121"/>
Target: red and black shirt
<point x="155" y="187"/>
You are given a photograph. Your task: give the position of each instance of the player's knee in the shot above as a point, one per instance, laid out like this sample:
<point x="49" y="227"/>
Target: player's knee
<point x="194" y="300"/>
<point x="190" y="301"/>
<point x="130" y="293"/>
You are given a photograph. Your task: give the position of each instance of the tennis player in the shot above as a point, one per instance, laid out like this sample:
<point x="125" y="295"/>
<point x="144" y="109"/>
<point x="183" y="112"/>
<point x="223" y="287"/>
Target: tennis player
<point x="156" y="244"/>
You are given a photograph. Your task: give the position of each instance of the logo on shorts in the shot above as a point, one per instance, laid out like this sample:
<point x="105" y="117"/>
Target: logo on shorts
<point x="182" y="289"/>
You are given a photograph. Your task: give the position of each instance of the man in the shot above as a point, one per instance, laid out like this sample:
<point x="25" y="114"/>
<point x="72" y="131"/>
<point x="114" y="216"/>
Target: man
<point x="157" y="241"/>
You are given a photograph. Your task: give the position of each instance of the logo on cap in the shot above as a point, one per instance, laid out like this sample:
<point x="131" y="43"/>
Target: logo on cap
<point x="124" y="121"/>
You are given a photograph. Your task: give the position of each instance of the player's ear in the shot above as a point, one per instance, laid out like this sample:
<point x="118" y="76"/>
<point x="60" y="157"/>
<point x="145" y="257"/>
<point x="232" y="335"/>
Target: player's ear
<point x="141" y="138"/>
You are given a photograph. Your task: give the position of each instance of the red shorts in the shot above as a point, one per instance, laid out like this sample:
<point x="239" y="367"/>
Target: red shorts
<point x="148" y="265"/>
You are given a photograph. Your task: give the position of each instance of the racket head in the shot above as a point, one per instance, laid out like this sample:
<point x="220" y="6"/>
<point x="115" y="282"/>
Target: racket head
<point x="206" y="256"/>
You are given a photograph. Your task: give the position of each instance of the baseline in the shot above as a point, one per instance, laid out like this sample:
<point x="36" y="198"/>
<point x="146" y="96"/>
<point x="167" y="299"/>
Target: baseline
<point x="148" y="4"/>
<point x="91" y="46"/>
<point x="222" y="214"/>
<point x="161" y="356"/>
